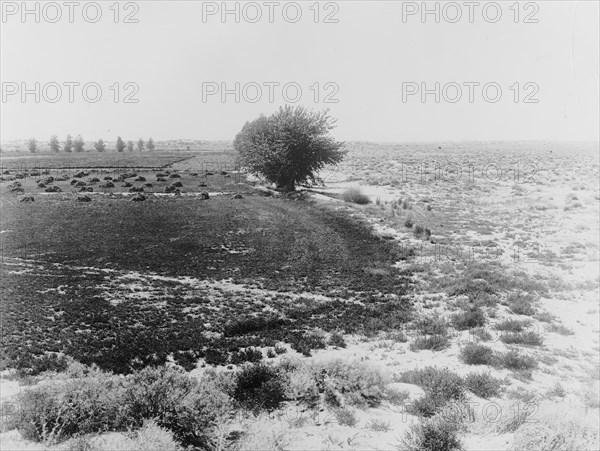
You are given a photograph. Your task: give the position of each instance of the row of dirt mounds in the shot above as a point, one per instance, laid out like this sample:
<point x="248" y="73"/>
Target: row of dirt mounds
<point x="104" y="181"/>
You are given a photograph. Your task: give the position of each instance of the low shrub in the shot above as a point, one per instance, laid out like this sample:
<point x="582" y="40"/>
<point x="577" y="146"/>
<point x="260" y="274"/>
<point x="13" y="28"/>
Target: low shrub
<point x="483" y="385"/>
<point x="523" y="338"/>
<point x="337" y="340"/>
<point x="246" y="355"/>
<point x="308" y="341"/>
<point x="440" y="386"/>
<point x="522" y="304"/>
<point x="513" y="325"/>
<point x="481" y="333"/>
<point x="469" y="319"/>
<point x="345" y="417"/>
<point x="431" y="325"/>
<point x="355" y="196"/>
<point x="280" y="349"/>
<point x="477" y="354"/>
<point x="432" y="342"/>
<point x="258" y="387"/>
<point x="358" y="383"/>
<point x="560" y="329"/>
<point x="435" y="434"/>
<point x="514" y="360"/>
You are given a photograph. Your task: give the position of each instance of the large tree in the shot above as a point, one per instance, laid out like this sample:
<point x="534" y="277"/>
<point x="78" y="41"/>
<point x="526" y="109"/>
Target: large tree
<point x="150" y="144"/>
<point x="289" y="147"/>
<point x="140" y="144"/>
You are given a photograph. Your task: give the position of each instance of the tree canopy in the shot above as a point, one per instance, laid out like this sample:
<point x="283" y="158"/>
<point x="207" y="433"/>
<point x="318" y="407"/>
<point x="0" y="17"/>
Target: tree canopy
<point x="289" y="147"/>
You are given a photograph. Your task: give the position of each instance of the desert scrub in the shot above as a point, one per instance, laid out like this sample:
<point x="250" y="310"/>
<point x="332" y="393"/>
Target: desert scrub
<point x="378" y="425"/>
<point x="337" y="340"/>
<point x="435" y="434"/>
<point x="355" y="196"/>
<point x="483" y="385"/>
<point x="433" y="333"/>
<point x="560" y="329"/>
<point x="513" y="325"/>
<point x="354" y="383"/>
<point x="431" y="342"/>
<point x="259" y="386"/>
<point x="522" y="304"/>
<point x="469" y="319"/>
<point x="247" y="355"/>
<point x="306" y="342"/>
<point x="345" y="417"/>
<point x="477" y="354"/>
<point x="99" y="402"/>
<point x="514" y="360"/>
<point x="440" y="386"/>
<point x="523" y="338"/>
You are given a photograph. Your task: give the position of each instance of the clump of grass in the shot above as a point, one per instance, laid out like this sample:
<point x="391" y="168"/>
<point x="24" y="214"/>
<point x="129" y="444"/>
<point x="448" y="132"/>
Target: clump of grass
<point x="378" y="425"/>
<point x="469" y="319"/>
<point x="483" y="385"/>
<point x="557" y="391"/>
<point x="513" y="325"/>
<point x="524" y="338"/>
<point x="477" y="354"/>
<point x="514" y="360"/>
<point x="408" y="223"/>
<point x="560" y="329"/>
<point x="355" y="196"/>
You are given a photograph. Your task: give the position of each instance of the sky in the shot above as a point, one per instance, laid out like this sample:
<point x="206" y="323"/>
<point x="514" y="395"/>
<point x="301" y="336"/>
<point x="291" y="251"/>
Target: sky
<point x="170" y="70"/>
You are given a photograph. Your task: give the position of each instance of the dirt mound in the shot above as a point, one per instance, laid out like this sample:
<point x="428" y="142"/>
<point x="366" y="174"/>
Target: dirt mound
<point x="136" y="189"/>
<point x="204" y="196"/>
<point x="107" y="185"/>
<point x="84" y="198"/>
<point x="53" y="189"/>
<point x="138" y="198"/>
<point x="27" y="199"/>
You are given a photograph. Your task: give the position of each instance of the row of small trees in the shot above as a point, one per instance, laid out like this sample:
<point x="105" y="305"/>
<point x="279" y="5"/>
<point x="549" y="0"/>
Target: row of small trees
<point x="78" y="144"/>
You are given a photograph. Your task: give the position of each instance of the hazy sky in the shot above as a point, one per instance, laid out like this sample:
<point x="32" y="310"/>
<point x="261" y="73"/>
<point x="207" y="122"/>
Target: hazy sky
<point x="176" y="56"/>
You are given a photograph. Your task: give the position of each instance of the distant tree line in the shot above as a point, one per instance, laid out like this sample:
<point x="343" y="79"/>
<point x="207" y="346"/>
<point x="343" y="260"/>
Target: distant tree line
<point x="78" y="145"/>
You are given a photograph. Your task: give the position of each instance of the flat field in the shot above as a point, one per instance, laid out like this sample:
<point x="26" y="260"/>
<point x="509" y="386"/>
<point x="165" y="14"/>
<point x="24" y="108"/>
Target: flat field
<point x="478" y="259"/>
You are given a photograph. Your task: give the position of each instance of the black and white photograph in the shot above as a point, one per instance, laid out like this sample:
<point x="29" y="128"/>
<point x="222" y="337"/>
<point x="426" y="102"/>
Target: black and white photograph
<point x="300" y="225"/>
